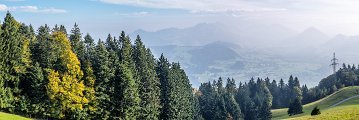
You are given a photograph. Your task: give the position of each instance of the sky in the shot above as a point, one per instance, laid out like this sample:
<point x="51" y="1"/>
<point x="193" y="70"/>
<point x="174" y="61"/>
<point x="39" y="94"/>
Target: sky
<point x="100" y="17"/>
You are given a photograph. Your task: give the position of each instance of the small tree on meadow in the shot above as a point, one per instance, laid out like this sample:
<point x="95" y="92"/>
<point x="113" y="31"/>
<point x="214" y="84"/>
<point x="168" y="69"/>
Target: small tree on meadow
<point x="315" y="111"/>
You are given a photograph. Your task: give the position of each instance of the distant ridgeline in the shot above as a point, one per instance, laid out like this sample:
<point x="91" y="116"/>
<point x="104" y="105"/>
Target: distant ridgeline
<point x="254" y="100"/>
<point x="55" y="75"/>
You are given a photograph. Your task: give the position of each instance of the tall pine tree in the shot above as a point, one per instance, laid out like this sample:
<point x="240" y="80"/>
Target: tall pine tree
<point x="103" y="85"/>
<point x="163" y="71"/>
<point x="149" y="86"/>
<point x="129" y="96"/>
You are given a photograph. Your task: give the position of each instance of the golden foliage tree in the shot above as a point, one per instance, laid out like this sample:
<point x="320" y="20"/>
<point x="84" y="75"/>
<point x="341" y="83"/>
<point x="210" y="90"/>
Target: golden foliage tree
<point x="65" y="88"/>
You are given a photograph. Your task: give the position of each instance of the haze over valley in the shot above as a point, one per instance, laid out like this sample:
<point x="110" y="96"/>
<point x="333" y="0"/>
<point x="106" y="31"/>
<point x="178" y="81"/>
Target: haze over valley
<point x="209" y="50"/>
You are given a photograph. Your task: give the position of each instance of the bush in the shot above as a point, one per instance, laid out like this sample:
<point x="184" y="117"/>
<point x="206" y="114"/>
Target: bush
<point x="315" y="111"/>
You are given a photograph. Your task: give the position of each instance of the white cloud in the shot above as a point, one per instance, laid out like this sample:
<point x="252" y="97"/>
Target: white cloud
<point x="133" y="14"/>
<point x="244" y="6"/>
<point x="31" y="9"/>
<point x="3" y="7"/>
<point x="199" y="6"/>
<point x="236" y="12"/>
<point x="297" y="14"/>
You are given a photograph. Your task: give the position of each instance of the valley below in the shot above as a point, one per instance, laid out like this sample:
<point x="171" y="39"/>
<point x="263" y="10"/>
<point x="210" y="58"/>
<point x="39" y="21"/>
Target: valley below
<point x="208" y="51"/>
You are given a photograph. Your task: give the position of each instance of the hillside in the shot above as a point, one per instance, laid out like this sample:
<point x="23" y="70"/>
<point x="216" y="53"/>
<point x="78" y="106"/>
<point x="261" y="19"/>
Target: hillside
<point x="7" y="116"/>
<point x="325" y="104"/>
<point x="349" y="112"/>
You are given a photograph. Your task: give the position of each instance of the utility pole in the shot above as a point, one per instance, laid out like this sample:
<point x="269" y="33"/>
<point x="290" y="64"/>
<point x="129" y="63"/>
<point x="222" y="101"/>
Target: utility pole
<point x="334" y="63"/>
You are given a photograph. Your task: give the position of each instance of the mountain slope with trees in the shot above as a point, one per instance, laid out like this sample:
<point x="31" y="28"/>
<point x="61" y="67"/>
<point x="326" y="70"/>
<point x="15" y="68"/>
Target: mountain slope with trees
<point x="253" y="97"/>
<point x="52" y="74"/>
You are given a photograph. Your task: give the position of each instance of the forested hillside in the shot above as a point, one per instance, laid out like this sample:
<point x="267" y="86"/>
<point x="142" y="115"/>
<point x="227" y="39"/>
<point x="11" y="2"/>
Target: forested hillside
<point x="251" y="101"/>
<point x="255" y="99"/>
<point x="52" y="74"/>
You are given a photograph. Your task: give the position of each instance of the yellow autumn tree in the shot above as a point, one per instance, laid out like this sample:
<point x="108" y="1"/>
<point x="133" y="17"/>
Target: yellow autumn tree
<point x="65" y="88"/>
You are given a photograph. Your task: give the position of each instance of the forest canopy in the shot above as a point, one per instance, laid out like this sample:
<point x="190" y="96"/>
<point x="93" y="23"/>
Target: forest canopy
<point x="51" y="74"/>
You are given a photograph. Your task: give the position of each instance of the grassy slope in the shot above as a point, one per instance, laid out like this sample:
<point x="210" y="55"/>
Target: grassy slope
<point x="349" y="110"/>
<point x="342" y="112"/>
<point x="7" y="116"/>
<point x="323" y="104"/>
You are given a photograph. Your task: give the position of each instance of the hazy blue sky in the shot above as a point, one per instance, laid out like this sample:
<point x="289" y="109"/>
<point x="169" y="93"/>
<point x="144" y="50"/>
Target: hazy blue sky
<point x="100" y="17"/>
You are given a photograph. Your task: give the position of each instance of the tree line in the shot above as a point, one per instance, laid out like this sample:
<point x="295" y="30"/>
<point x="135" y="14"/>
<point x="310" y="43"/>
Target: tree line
<point x="251" y="100"/>
<point x="347" y="75"/>
<point x="50" y="74"/>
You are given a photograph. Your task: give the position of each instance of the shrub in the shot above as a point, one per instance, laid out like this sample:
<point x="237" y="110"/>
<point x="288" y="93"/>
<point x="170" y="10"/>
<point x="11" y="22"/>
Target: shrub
<point x="315" y="111"/>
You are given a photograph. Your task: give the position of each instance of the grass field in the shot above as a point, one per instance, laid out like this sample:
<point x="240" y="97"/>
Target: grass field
<point x="7" y="116"/>
<point x="324" y="104"/>
<point x="342" y="112"/>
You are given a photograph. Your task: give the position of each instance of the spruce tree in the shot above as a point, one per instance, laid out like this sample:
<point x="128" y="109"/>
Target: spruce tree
<point x="206" y="100"/>
<point x="111" y="42"/>
<point x="232" y="106"/>
<point x="149" y="84"/>
<point x="186" y="90"/>
<point x="23" y="103"/>
<point x="37" y="92"/>
<point x="219" y="86"/>
<point x="220" y="110"/>
<point x="295" y="107"/>
<point x="197" y="107"/>
<point x="231" y="86"/>
<point x="275" y="91"/>
<point x="102" y="84"/>
<point x="180" y="94"/>
<point x="163" y="71"/>
<point x="89" y="75"/>
<point x="77" y="43"/>
<point x="263" y="100"/>
<point x="251" y="112"/>
<point x="242" y="98"/>
<point x="44" y="57"/>
<point x="130" y="106"/>
<point x="11" y="61"/>
<point x="90" y="48"/>
<point x="305" y="94"/>
<point x="265" y="111"/>
<point x="42" y="48"/>
<point x="283" y="101"/>
<point x="89" y="91"/>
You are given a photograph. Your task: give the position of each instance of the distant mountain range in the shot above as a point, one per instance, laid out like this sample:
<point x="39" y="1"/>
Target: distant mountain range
<point x="209" y="50"/>
<point x="197" y="35"/>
